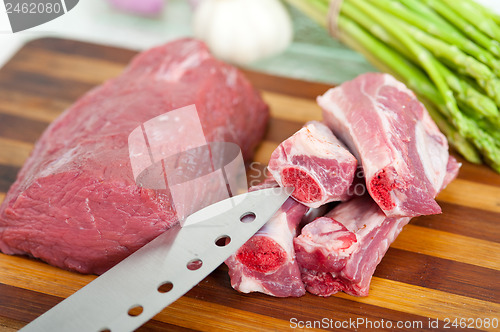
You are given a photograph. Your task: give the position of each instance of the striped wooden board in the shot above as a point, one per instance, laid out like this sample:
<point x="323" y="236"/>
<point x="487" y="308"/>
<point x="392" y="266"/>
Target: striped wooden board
<point x="442" y="269"/>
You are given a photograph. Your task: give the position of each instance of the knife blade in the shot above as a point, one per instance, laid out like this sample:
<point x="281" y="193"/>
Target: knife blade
<point x="143" y="284"/>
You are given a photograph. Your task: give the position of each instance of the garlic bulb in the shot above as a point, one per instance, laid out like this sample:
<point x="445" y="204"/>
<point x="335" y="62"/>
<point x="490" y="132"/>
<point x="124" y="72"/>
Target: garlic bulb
<point x="242" y="31"/>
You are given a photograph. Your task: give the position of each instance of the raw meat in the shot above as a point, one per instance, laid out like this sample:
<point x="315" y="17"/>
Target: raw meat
<point x="75" y="203"/>
<point x="324" y="245"/>
<point x="316" y="163"/>
<point x="346" y="246"/>
<point x="402" y="152"/>
<point x="340" y="251"/>
<point x="266" y="263"/>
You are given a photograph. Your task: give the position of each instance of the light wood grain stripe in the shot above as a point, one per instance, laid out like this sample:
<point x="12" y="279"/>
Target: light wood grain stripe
<point x="10" y="325"/>
<point x="31" y="107"/>
<point x="291" y="108"/>
<point x="425" y="302"/>
<point x="14" y="153"/>
<point x="67" y="67"/>
<point x="264" y="151"/>
<point x="34" y="275"/>
<point x="449" y="246"/>
<point x="40" y="277"/>
<point x="225" y="318"/>
<point x="472" y="194"/>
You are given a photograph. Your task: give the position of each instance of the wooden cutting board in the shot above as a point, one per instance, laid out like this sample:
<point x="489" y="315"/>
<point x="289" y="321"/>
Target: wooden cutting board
<point x="441" y="271"/>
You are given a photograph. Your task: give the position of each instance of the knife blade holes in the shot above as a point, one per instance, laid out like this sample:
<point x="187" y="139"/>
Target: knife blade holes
<point x="165" y="287"/>
<point x="194" y="264"/>
<point x="247" y="217"/>
<point x="222" y="241"/>
<point x="135" y="310"/>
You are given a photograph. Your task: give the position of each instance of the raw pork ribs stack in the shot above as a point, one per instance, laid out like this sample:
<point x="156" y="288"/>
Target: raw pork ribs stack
<point x="375" y="123"/>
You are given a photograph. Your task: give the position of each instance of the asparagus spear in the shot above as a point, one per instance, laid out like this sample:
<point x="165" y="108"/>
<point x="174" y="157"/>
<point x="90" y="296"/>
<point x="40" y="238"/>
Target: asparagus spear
<point x="464" y="91"/>
<point x="470" y="47"/>
<point x="475" y="17"/>
<point x="468" y="95"/>
<point x="425" y="20"/>
<point x="463" y="63"/>
<point x="494" y="16"/>
<point x="487" y="125"/>
<point x="426" y="12"/>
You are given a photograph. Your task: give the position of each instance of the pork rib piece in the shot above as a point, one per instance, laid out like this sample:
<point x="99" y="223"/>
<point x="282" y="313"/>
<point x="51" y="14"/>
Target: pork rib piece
<point x="75" y="203"/>
<point x="266" y="263"/>
<point x="346" y="246"/>
<point x="402" y="152"/>
<point x="340" y="251"/>
<point x="316" y="163"/>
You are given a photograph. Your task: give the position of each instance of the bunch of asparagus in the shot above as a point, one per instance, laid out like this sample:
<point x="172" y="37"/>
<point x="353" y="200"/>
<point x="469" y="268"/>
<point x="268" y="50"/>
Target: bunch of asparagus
<point x="447" y="51"/>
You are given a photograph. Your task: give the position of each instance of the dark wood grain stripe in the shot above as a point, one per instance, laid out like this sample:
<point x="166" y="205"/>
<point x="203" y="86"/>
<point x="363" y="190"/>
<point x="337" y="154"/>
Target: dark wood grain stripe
<point x="463" y="220"/>
<point x="477" y="173"/>
<point x="26" y="305"/>
<point x="440" y="274"/>
<point x="21" y="129"/>
<point x="88" y="50"/>
<point x="8" y="175"/>
<point x="279" y="130"/>
<point x="41" y="85"/>
<point x="284" y="85"/>
<point x="31" y="107"/>
<point x="66" y="67"/>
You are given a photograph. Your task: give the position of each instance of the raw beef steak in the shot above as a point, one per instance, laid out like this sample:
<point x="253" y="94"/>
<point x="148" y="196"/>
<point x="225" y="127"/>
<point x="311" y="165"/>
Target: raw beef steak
<point x="266" y="263"/>
<point x="75" y="203"/>
<point x="316" y="163"/>
<point x="401" y="150"/>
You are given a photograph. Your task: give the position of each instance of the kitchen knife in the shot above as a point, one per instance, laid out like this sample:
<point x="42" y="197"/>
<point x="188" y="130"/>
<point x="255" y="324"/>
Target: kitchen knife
<point x="139" y="287"/>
